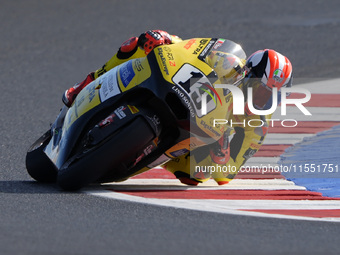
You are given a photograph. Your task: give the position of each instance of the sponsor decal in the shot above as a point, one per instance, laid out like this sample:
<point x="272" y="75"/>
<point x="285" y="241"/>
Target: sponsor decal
<point x="148" y="149"/>
<point x="249" y="153"/>
<point x="189" y="43"/>
<point x="278" y="75"/>
<point x="138" y="65"/>
<point x="133" y="109"/>
<point x="207" y="49"/>
<point x="200" y="46"/>
<point x="146" y="152"/>
<point x="171" y="59"/>
<point x="179" y="152"/>
<point x="155" y="121"/>
<point x="219" y="43"/>
<point x="108" y="85"/>
<point x="185" y="99"/>
<point x="210" y="128"/>
<point x="92" y="93"/>
<point x="120" y="112"/>
<point x="166" y="48"/>
<point x="126" y="73"/>
<point x="102" y="70"/>
<point x="107" y="121"/>
<point x="161" y="55"/>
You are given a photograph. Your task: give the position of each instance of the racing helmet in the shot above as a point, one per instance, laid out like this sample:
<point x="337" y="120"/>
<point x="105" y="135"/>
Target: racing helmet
<point x="266" y="69"/>
<point x="227" y="66"/>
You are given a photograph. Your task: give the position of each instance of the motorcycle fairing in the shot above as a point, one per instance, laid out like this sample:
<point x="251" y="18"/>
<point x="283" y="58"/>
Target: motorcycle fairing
<point x="152" y="74"/>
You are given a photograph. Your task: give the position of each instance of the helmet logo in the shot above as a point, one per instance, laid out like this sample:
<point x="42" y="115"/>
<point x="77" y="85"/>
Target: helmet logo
<point x="278" y="75"/>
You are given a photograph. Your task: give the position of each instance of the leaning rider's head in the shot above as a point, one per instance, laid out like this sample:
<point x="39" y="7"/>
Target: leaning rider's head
<point x="266" y="69"/>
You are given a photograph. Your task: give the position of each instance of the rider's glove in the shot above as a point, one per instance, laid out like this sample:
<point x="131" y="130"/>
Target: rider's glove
<point x="153" y="38"/>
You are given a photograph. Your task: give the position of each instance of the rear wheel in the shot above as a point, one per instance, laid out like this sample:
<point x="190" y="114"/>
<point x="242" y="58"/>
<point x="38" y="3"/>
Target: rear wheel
<point x="92" y="163"/>
<point x="38" y="164"/>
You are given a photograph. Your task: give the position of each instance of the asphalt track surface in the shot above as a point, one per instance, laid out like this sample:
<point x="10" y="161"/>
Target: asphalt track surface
<point x="47" y="46"/>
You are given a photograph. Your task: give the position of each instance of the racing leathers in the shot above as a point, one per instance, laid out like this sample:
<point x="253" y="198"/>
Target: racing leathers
<point x="228" y="154"/>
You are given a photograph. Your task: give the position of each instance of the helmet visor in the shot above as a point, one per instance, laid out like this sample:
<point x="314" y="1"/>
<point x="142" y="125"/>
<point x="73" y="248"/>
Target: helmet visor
<point x="261" y="95"/>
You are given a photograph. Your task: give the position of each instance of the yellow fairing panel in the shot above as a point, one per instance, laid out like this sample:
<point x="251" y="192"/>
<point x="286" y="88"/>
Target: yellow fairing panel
<point x="171" y="57"/>
<point x="133" y="73"/>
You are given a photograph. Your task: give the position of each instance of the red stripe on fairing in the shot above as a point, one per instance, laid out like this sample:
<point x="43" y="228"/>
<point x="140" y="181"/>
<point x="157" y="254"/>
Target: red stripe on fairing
<point x="303" y="127"/>
<point x="319" y="100"/>
<point x="227" y="194"/>
<point x="306" y="213"/>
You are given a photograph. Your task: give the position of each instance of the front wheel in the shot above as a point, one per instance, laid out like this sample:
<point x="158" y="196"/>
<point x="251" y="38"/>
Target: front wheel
<point x="38" y="164"/>
<point x="96" y="162"/>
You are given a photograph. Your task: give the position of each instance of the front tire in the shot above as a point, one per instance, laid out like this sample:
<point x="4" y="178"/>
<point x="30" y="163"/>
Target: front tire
<point x="38" y="164"/>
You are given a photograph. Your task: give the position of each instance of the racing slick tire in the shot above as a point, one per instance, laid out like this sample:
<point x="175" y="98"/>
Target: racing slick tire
<point x="38" y="164"/>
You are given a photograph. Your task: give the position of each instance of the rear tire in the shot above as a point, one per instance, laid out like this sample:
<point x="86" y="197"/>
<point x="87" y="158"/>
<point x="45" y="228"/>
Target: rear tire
<point x="95" y="163"/>
<point x="38" y="164"/>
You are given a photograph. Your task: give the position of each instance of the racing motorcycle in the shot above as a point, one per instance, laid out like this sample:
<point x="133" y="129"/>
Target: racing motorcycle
<point x="137" y="116"/>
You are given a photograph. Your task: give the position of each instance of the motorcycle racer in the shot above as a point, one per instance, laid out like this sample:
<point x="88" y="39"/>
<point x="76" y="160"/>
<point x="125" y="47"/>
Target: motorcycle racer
<point x="135" y="47"/>
<point x="262" y="71"/>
